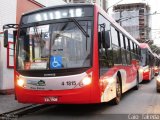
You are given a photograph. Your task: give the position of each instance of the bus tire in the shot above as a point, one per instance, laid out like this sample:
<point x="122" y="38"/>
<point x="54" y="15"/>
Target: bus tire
<point x="158" y="90"/>
<point x="158" y="87"/>
<point x="137" y="82"/>
<point x="117" y="99"/>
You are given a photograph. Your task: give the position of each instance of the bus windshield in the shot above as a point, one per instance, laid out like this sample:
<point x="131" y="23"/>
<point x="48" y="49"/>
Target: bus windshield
<point x="55" y="46"/>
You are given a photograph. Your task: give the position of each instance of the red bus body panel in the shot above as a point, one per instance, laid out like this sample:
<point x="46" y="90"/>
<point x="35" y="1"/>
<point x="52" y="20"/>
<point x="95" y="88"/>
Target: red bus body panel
<point x="147" y="76"/>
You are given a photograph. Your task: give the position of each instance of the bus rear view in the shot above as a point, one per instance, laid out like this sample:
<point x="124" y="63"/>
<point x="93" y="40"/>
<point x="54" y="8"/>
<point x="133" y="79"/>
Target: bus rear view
<point x="54" y="56"/>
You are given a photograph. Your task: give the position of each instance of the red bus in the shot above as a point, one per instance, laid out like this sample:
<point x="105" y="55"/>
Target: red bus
<point x="156" y="64"/>
<point x="74" y="54"/>
<point x="156" y="72"/>
<point x="148" y="61"/>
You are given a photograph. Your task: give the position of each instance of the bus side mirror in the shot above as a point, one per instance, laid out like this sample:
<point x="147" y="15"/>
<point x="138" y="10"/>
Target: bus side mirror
<point x="106" y="39"/>
<point x="5" y="38"/>
<point x="99" y="40"/>
<point x="14" y="36"/>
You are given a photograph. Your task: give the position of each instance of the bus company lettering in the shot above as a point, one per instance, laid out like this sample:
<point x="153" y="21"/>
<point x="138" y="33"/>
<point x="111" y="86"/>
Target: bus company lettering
<point x="50" y="75"/>
<point x="37" y="83"/>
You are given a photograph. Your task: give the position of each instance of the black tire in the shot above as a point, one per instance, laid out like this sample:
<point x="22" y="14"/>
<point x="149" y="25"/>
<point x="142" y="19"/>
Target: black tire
<point x="158" y="88"/>
<point x="137" y="83"/>
<point x="117" y="99"/>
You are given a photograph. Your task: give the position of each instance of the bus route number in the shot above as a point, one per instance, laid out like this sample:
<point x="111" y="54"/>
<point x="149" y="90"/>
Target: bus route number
<point x="69" y="83"/>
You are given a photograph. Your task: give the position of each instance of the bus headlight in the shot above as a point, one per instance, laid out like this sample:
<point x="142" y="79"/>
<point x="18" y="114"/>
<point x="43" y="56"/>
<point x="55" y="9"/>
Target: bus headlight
<point x="155" y="68"/>
<point x="146" y="70"/>
<point x="87" y="80"/>
<point x="20" y="82"/>
<point x="141" y="70"/>
<point x="158" y="79"/>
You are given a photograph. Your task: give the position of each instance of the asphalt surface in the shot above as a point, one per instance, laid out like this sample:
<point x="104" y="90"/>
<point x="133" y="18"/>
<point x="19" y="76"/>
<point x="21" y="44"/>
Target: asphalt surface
<point x="8" y="103"/>
<point x="135" y="103"/>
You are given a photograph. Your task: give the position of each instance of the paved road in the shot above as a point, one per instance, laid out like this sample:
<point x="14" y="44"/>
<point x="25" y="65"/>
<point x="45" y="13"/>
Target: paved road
<point x="143" y="101"/>
<point x="8" y="103"/>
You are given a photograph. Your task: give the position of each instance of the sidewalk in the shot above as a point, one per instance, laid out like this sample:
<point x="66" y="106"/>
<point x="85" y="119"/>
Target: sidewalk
<point x="8" y="103"/>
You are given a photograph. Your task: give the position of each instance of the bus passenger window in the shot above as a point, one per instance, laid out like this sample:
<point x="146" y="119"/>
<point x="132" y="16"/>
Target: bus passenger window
<point x="105" y="54"/>
<point x="115" y="46"/>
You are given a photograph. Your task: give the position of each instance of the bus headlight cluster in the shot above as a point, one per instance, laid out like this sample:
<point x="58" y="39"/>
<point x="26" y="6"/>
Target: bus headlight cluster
<point x="20" y="82"/>
<point x="87" y="80"/>
<point x="141" y="70"/>
<point x="146" y="70"/>
<point x="155" y="68"/>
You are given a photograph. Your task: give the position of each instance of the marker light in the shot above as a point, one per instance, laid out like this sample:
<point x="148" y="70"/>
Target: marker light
<point x="87" y="80"/>
<point x="141" y="70"/>
<point x="147" y="70"/>
<point x="20" y="82"/>
<point x="155" y="68"/>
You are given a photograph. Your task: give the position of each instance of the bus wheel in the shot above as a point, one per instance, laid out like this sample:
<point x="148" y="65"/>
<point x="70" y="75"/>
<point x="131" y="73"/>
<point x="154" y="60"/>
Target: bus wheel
<point x="117" y="99"/>
<point x="137" y="83"/>
<point x="158" y="90"/>
<point x="158" y="87"/>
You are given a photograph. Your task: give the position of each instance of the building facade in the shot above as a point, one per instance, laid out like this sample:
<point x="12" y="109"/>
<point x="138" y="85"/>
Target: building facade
<point x="10" y="13"/>
<point x="135" y="19"/>
<point x="51" y="2"/>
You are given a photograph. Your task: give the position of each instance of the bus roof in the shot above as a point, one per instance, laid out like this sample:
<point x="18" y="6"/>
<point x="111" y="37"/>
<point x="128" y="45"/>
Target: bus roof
<point x="58" y="6"/>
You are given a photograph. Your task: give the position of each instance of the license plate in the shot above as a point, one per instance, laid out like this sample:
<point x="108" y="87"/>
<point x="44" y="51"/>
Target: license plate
<point x="50" y="99"/>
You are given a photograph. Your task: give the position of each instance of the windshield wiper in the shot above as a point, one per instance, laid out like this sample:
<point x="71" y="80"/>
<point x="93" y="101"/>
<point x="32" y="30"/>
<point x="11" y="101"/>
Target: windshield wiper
<point x="80" y="27"/>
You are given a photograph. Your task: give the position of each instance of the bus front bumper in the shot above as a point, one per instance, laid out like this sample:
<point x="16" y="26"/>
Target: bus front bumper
<point x="75" y="96"/>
